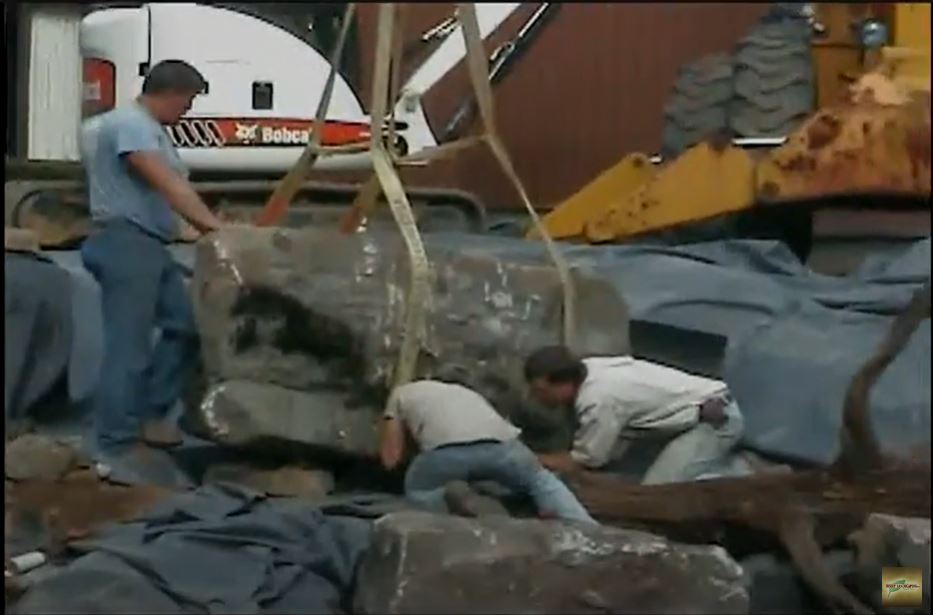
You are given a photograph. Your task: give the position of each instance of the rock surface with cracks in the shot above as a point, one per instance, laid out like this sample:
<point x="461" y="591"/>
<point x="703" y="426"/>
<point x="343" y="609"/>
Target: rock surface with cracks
<point x="424" y="563"/>
<point x="315" y="311"/>
<point x="241" y="412"/>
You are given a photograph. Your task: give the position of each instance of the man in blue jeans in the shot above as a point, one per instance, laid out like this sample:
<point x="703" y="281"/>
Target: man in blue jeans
<point x="138" y="188"/>
<point x="462" y="438"/>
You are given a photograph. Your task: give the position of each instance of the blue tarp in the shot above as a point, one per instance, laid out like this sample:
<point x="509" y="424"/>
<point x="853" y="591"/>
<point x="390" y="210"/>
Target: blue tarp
<point x="39" y="331"/>
<point x="220" y="549"/>
<point x="795" y="338"/>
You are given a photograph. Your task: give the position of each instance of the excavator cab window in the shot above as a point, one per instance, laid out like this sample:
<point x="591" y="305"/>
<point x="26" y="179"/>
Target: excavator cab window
<point x="317" y="24"/>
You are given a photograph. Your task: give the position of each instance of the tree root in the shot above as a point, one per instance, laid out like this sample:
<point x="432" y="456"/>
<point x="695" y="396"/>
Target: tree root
<point x="797" y="536"/>
<point x="860" y="449"/>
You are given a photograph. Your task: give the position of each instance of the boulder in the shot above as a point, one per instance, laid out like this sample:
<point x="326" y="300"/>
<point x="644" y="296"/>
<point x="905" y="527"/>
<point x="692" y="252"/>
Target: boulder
<point x="313" y="310"/>
<point x="886" y="541"/>
<point x="286" y="481"/>
<point x="38" y="457"/>
<point x="425" y="563"/>
<point x="776" y="587"/>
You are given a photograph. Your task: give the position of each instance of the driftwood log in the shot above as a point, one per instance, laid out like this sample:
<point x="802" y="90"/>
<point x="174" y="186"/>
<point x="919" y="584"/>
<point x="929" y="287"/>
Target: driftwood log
<point x="795" y="507"/>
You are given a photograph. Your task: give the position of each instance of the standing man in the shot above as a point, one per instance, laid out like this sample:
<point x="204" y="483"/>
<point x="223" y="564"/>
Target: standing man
<point x="462" y="438"/>
<point x="138" y="188"/>
<point x="619" y="399"/>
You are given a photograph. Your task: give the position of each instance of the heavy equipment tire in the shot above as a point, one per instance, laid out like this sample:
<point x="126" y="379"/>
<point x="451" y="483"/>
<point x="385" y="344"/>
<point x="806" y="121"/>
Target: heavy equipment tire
<point x="774" y="80"/>
<point x="698" y="105"/>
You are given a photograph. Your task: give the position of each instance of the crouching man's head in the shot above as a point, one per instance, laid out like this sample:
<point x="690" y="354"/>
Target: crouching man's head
<point x="554" y="375"/>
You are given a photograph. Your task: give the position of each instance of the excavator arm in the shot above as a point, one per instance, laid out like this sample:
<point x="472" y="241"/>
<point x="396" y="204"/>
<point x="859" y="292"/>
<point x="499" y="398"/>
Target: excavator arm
<point x="874" y="141"/>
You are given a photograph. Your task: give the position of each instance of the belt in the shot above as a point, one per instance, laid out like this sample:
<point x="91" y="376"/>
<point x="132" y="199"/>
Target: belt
<point x="470" y="443"/>
<point x="103" y="225"/>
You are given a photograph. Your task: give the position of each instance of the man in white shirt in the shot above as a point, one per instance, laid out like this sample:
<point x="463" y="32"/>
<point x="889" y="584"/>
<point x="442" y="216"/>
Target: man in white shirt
<point x="462" y="438"/>
<point x="620" y="399"/>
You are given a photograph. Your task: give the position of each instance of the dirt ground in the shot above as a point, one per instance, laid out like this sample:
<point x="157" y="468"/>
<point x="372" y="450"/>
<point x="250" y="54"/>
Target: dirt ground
<point x="74" y="506"/>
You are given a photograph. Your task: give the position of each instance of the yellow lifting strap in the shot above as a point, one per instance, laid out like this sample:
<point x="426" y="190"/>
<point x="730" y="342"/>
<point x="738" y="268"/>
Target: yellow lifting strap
<point x="388" y="55"/>
<point x="277" y="205"/>
<point x="418" y="285"/>
<point x="386" y="50"/>
<point x="479" y="76"/>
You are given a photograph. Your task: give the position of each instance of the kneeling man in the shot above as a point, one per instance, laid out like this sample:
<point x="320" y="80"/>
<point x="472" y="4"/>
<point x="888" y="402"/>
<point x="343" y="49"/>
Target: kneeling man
<point x="619" y="399"/>
<point x="462" y="438"/>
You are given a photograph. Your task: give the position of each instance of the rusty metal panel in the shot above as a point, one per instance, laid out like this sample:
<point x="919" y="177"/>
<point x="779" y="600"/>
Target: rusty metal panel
<point x="590" y="90"/>
<point x="877" y="144"/>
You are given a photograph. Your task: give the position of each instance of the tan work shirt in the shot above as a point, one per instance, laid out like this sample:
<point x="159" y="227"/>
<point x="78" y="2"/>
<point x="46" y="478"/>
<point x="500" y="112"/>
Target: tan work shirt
<point x="437" y="413"/>
<point x="624" y="398"/>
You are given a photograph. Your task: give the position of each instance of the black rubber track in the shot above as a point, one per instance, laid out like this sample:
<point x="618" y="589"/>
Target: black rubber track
<point x="698" y="105"/>
<point x="774" y="88"/>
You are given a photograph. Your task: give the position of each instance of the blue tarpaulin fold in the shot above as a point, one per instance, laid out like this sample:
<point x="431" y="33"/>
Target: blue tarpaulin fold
<point x="219" y="549"/>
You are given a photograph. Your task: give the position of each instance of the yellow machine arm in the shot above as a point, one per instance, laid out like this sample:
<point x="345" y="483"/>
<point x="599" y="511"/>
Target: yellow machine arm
<point x="874" y="140"/>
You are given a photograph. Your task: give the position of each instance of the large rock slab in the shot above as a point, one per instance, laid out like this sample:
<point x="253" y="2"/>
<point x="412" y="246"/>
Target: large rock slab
<point x="425" y="563"/>
<point x="312" y="310"/>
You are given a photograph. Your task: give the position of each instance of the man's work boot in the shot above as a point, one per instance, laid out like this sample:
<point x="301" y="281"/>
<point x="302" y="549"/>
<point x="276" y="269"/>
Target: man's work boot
<point x="462" y="500"/>
<point x="161" y="434"/>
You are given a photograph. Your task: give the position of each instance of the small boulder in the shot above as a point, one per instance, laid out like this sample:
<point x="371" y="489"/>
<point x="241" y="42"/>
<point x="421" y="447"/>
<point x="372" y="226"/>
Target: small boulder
<point x="37" y="457"/>
<point x="886" y="541"/>
<point x="286" y="481"/>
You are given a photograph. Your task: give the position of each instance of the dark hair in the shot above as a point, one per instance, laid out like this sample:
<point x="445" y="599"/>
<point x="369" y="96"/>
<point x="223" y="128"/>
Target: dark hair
<point x="555" y="364"/>
<point x="453" y="373"/>
<point x="174" y="76"/>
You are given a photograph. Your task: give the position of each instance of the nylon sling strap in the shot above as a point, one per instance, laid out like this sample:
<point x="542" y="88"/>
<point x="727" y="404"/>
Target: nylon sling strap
<point x="417" y="297"/>
<point x="479" y="76"/>
<point x="277" y="205"/>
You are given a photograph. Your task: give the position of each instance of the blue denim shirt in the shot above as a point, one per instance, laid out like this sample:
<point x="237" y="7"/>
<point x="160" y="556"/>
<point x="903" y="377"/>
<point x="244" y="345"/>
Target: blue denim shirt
<point x="116" y="191"/>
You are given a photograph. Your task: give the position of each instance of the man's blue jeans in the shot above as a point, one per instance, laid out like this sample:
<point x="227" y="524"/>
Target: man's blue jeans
<point x="142" y="288"/>
<point x="510" y="464"/>
<point x="702" y="450"/>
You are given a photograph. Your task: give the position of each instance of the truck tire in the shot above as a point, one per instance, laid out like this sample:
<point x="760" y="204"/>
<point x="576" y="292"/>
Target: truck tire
<point x="774" y="80"/>
<point x="698" y="105"/>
